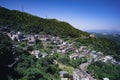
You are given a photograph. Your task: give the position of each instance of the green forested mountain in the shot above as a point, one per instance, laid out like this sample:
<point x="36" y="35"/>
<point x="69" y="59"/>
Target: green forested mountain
<point x="32" y="24"/>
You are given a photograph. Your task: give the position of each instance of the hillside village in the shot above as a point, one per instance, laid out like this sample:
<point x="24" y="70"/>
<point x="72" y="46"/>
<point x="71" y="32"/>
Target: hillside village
<point x="55" y="45"/>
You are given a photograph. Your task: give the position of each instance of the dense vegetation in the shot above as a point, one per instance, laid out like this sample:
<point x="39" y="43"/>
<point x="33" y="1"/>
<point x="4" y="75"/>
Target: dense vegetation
<point x="114" y="37"/>
<point x="69" y="62"/>
<point x="32" y="24"/>
<point x="102" y="70"/>
<point x="107" y="46"/>
<point x="6" y="57"/>
<point x="27" y="66"/>
<point x="30" y="68"/>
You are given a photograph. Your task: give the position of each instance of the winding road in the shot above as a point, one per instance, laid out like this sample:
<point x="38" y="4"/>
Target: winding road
<point x="83" y="67"/>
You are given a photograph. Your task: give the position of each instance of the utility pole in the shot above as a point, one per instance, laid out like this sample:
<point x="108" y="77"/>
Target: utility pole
<point x="46" y="16"/>
<point x="22" y="6"/>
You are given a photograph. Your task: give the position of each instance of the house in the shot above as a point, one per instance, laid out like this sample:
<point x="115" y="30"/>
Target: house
<point x="93" y="52"/>
<point x="59" y="51"/>
<point x="36" y="37"/>
<point x="95" y="56"/>
<point x="25" y="37"/>
<point x="63" y="73"/>
<point x="36" y="53"/>
<point x="117" y="62"/>
<point x="64" y="43"/>
<point x="31" y="40"/>
<point x="44" y="54"/>
<point x="19" y="36"/>
<point x="62" y="47"/>
<point x="65" y="79"/>
<point x="108" y="59"/>
<point x="63" y="51"/>
<point x="79" y="75"/>
<point x="15" y="36"/>
<point x="74" y="56"/>
<point x="12" y="35"/>
<point x="106" y="79"/>
<point x="56" y="40"/>
<point x="9" y="35"/>
<point x="77" y="51"/>
<point x="60" y="41"/>
<point x="83" y="49"/>
<point x="52" y="38"/>
<point x="43" y="37"/>
<point x="76" y="74"/>
<point x="100" y="55"/>
<point x="92" y="35"/>
<point x="88" y="51"/>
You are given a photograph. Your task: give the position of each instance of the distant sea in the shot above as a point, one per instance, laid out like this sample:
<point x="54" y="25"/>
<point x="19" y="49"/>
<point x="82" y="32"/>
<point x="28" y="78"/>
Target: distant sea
<point x="104" y="31"/>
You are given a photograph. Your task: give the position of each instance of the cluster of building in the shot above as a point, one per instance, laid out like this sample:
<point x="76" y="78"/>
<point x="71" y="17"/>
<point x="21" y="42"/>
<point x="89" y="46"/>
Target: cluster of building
<point x="63" y="47"/>
<point x="83" y="51"/>
<point x="59" y="45"/>
<point x="77" y="75"/>
<point x="94" y="56"/>
<point x="80" y="75"/>
<point x="38" y="54"/>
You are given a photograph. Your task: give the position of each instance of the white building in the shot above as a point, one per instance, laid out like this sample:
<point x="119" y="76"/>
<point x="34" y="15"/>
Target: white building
<point x="107" y="58"/>
<point x="36" y="53"/>
<point x="62" y="73"/>
<point x="106" y="79"/>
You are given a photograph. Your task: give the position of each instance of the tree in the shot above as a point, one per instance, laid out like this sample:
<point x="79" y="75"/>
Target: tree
<point x="52" y="69"/>
<point x="34" y="74"/>
<point x="25" y="62"/>
<point x="101" y="70"/>
<point x="6" y="57"/>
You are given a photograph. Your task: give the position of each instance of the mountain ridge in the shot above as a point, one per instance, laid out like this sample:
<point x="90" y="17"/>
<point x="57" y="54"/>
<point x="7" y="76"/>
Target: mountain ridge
<point x="33" y="24"/>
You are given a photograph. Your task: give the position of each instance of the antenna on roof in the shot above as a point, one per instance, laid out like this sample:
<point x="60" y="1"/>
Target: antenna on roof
<point x="22" y="8"/>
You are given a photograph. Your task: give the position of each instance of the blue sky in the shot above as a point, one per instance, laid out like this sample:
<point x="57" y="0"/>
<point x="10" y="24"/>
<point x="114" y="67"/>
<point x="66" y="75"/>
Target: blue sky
<point x="82" y="14"/>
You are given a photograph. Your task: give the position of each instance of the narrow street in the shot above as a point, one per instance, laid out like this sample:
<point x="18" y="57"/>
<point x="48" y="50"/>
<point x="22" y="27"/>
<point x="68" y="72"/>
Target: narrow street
<point x="83" y="67"/>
